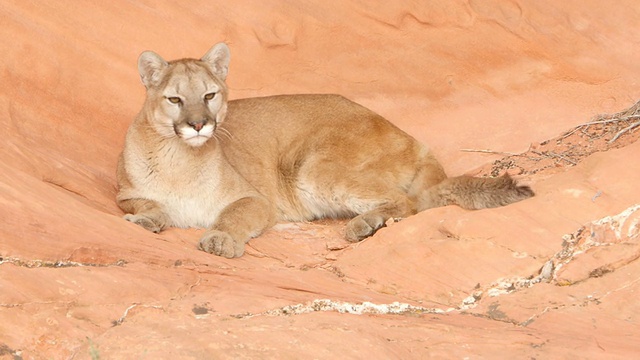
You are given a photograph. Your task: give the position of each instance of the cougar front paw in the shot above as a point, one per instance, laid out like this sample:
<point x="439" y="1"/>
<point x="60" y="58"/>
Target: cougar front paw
<point x="363" y="226"/>
<point x="144" y="221"/>
<point x="220" y="243"/>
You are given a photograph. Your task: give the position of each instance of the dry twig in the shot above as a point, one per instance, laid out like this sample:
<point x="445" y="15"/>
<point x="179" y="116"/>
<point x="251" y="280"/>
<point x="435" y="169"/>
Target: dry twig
<point x="627" y="129"/>
<point x="489" y="152"/>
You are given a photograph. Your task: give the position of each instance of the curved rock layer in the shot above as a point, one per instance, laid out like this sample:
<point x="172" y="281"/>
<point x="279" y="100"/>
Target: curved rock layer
<point x="552" y="277"/>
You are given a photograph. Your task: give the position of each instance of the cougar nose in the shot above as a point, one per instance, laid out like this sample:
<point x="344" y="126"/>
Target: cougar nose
<point x="197" y="125"/>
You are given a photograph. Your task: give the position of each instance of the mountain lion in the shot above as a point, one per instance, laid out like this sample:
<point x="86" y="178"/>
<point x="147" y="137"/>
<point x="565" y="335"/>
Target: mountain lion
<point x="194" y="159"/>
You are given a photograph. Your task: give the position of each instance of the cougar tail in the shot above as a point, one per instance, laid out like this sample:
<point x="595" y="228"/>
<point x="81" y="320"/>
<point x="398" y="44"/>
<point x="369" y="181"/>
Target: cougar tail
<point x="474" y="193"/>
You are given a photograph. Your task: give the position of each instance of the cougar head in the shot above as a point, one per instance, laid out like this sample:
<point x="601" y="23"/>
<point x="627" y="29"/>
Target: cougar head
<point x="186" y="98"/>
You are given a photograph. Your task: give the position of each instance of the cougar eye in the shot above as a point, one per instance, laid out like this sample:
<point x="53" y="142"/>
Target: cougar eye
<point x="209" y="96"/>
<point x="174" y="100"/>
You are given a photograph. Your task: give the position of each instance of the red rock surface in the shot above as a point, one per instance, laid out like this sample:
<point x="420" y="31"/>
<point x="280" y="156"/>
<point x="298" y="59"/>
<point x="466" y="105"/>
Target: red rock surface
<point x="77" y="281"/>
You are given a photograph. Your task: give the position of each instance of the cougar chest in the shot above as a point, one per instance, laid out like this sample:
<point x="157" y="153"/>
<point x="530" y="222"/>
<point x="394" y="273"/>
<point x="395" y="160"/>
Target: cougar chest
<point x="186" y="185"/>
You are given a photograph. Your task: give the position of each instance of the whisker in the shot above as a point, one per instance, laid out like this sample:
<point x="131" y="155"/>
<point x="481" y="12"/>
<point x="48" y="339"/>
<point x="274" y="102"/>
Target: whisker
<point x="225" y="132"/>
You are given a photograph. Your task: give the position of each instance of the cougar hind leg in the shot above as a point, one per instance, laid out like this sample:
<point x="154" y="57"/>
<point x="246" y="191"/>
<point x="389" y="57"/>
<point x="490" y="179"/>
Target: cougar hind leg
<point x="376" y="212"/>
<point x="428" y="175"/>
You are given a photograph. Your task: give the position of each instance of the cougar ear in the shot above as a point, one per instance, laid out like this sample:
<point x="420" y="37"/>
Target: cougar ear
<point x="150" y="65"/>
<point x="218" y="58"/>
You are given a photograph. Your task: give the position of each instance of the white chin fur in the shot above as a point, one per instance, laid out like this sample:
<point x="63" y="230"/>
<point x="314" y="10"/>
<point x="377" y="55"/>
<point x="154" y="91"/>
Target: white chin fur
<point x="196" y="141"/>
<point x="195" y="138"/>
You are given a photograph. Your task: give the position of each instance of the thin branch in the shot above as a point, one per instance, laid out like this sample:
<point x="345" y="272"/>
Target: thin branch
<point x="627" y="129"/>
<point x="603" y="121"/>
<point x="489" y="152"/>
<point x="562" y="157"/>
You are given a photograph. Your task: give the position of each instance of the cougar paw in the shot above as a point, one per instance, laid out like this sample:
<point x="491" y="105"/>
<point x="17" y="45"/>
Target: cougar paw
<point x="220" y="243"/>
<point x="363" y="226"/>
<point x="144" y="221"/>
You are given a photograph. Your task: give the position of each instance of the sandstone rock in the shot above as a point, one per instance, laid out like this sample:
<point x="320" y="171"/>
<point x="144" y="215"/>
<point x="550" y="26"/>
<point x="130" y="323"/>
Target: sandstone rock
<point x="492" y="77"/>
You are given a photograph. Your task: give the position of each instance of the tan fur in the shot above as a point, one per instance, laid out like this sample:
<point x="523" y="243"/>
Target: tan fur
<point x="192" y="159"/>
